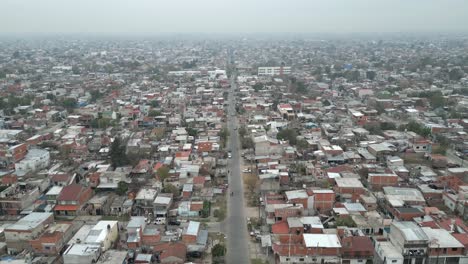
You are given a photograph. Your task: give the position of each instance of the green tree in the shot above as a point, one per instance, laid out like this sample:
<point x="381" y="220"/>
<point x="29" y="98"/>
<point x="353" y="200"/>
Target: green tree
<point x="380" y="108"/>
<point x="257" y="87"/>
<point x="95" y="95"/>
<point x="169" y="188"/>
<point x="117" y="153"/>
<point x="437" y="100"/>
<point x="219" y="250"/>
<point x="301" y="87"/>
<point x="247" y="143"/>
<point x="388" y="126"/>
<point x="163" y="174"/>
<point x="192" y="132"/>
<point x="345" y="221"/>
<point x="205" y="212"/>
<point x="69" y="103"/>
<point x="153" y="113"/>
<point x="122" y="188"/>
<point x="223" y="134"/>
<point x="242" y="131"/>
<point x="154" y="104"/>
<point x="302" y="144"/>
<point x="456" y="74"/>
<point x="288" y="134"/>
<point x="75" y="70"/>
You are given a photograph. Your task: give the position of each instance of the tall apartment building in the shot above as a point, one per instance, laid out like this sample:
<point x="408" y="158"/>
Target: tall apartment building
<point x="272" y="71"/>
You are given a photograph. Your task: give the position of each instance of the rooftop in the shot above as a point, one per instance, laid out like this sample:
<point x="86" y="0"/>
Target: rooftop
<point x="322" y="240"/>
<point x="30" y="221"/>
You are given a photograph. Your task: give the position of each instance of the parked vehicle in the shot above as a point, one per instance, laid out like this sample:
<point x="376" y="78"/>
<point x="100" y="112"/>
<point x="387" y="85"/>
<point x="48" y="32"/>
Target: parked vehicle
<point x="174" y="222"/>
<point x="160" y="221"/>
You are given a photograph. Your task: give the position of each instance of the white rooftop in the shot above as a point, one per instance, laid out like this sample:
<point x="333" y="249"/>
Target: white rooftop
<point x="192" y="228"/>
<point x="55" y="190"/>
<point x="441" y="238"/>
<point x="146" y="194"/>
<point x="99" y="232"/>
<point x="348" y="183"/>
<point x="30" y="221"/>
<point x="82" y="250"/>
<point x="322" y="240"/>
<point x="296" y="194"/>
<point x="162" y="200"/>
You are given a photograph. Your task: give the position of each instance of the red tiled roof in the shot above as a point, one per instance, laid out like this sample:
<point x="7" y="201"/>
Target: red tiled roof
<point x="205" y="146"/>
<point x="463" y="238"/>
<point x="280" y="228"/>
<point x="182" y="154"/>
<point x="178" y="250"/>
<point x="195" y="207"/>
<point x="293" y="250"/>
<point x="61" y="207"/>
<point x="60" y="178"/>
<point x="199" y="180"/>
<point x="70" y="192"/>
<point x="357" y="243"/>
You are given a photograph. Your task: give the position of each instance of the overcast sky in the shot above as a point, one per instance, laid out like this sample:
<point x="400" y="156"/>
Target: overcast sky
<point x="156" y="16"/>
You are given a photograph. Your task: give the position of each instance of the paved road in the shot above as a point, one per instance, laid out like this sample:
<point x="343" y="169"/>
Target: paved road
<point x="236" y="228"/>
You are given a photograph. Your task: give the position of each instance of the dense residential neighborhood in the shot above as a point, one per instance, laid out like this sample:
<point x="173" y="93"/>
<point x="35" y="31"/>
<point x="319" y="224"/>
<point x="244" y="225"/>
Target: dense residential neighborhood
<point x="276" y="150"/>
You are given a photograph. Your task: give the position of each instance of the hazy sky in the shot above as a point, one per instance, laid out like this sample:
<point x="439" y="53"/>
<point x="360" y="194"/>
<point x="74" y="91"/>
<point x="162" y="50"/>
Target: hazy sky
<point x="154" y="16"/>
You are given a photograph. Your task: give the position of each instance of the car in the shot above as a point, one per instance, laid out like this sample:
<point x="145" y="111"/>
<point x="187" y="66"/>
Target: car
<point x="174" y="222"/>
<point x="229" y="155"/>
<point x="171" y="233"/>
<point x="160" y="221"/>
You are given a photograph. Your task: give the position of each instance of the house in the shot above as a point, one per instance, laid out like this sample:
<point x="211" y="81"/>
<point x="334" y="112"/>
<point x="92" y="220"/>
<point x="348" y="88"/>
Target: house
<point x="62" y="179"/>
<point x="53" y="240"/>
<point x="265" y="145"/>
<point x="103" y="234"/>
<point x="357" y="249"/>
<point x="99" y="204"/>
<point x="135" y="231"/>
<point x="144" y="199"/>
<point x="349" y="188"/>
<point x="121" y="206"/>
<point x="35" y="159"/>
<point x="386" y="253"/>
<point x="277" y="212"/>
<point x="187" y="190"/>
<point x="379" y="180"/>
<point x="381" y="150"/>
<point x="297" y="197"/>
<point x="322" y="200"/>
<point x="410" y="241"/>
<point x="52" y="194"/>
<point x="162" y="204"/>
<point x="171" y="253"/>
<point x="190" y="234"/>
<point x="18" y="197"/>
<point x="314" y="248"/>
<point x="18" y="235"/>
<point x="298" y="225"/>
<point x="71" y="200"/>
<point x="190" y="208"/>
<point x="444" y="247"/>
<point x="113" y="256"/>
<point x="81" y="254"/>
<point x="286" y="111"/>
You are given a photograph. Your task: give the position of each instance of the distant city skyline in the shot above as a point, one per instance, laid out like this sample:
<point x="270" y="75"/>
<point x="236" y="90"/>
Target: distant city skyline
<point x="239" y="16"/>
